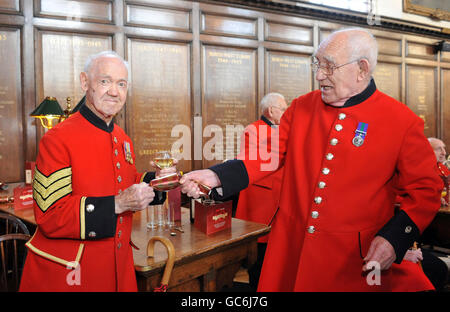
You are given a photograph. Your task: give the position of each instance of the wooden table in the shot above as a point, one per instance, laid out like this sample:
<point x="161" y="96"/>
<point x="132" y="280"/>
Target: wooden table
<point x="203" y="263"/>
<point x="26" y="214"/>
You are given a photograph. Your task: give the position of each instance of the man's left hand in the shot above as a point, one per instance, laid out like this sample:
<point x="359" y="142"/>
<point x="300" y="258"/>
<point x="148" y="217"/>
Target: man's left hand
<point x="381" y="251"/>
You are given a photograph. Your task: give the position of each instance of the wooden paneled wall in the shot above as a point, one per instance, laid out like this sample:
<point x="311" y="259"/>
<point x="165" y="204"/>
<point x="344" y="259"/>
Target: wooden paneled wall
<point x="195" y="68"/>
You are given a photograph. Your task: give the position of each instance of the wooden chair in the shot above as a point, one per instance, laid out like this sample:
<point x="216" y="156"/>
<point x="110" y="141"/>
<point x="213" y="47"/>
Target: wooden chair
<point x="12" y="258"/>
<point x="10" y="224"/>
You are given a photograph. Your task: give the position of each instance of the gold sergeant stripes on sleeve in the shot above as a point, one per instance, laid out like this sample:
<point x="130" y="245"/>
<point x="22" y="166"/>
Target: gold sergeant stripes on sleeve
<point x="48" y="190"/>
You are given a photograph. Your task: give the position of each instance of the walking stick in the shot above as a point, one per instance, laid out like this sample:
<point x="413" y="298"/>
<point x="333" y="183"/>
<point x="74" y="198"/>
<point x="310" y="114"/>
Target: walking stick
<point x="170" y="260"/>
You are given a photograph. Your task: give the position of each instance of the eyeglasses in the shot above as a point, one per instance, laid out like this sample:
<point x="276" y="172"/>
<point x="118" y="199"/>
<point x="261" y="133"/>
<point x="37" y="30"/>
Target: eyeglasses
<point x="328" y="70"/>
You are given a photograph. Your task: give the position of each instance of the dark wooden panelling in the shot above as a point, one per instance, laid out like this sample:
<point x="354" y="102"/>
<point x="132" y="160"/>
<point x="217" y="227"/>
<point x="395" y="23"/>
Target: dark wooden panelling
<point x="288" y="33"/>
<point x="62" y="59"/>
<point x="445" y="56"/>
<point x="288" y="74"/>
<point x="10" y="6"/>
<point x="85" y="10"/>
<point x="421" y="95"/>
<point x="420" y="50"/>
<point x="11" y="134"/>
<point x="445" y="96"/>
<point x="388" y="78"/>
<point x="229" y="88"/>
<point x="158" y="17"/>
<point x="159" y="100"/>
<point x="389" y="46"/>
<point x="226" y="25"/>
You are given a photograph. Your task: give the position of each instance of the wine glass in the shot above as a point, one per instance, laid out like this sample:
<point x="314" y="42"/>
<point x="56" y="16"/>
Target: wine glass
<point x="164" y="159"/>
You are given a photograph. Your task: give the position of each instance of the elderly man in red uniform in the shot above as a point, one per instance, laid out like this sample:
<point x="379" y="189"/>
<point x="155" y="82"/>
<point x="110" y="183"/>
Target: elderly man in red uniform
<point x="86" y="189"/>
<point x="347" y="150"/>
<point x="259" y="201"/>
<point x="440" y="152"/>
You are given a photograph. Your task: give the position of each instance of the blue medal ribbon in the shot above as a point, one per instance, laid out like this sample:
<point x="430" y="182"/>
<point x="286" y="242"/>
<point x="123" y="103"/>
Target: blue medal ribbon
<point x="360" y="134"/>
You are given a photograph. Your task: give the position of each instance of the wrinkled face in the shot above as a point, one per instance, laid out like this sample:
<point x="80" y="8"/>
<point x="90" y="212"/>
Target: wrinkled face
<point x="337" y="87"/>
<point x="278" y="111"/>
<point x="106" y="87"/>
<point x="439" y="150"/>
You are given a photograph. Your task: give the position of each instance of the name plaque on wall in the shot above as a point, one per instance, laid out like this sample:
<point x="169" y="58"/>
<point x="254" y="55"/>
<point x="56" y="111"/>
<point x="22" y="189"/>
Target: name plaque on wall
<point x="229" y="105"/>
<point x="11" y="154"/>
<point x="421" y="96"/>
<point x="288" y="74"/>
<point x="63" y="59"/>
<point x="159" y="101"/>
<point x="388" y="79"/>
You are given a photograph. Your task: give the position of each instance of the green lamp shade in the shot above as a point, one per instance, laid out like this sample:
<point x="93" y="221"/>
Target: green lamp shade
<point x="48" y="107"/>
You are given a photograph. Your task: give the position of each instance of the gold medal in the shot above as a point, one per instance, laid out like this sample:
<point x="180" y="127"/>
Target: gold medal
<point x="127" y="152"/>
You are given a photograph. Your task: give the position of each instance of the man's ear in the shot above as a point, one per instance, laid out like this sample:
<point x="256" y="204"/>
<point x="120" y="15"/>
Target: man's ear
<point x="84" y="81"/>
<point x="364" y="69"/>
<point x="270" y="112"/>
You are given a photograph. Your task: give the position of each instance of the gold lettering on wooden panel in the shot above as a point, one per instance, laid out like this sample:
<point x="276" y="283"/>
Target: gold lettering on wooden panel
<point x="289" y="74"/>
<point x="421" y="95"/>
<point x="63" y="59"/>
<point x="11" y="153"/>
<point x="160" y="101"/>
<point x="388" y="79"/>
<point x="445" y="97"/>
<point x="229" y="100"/>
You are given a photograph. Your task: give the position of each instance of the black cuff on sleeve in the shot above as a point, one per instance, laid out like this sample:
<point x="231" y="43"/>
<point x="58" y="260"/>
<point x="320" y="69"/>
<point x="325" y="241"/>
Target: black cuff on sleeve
<point x="233" y="176"/>
<point x="401" y="232"/>
<point x="100" y="217"/>
<point x="159" y="199"/>
<point x="148" y="176"/>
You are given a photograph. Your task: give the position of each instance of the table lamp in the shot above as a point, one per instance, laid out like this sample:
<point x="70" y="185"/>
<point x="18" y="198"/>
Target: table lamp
<point x="47" y="111"/>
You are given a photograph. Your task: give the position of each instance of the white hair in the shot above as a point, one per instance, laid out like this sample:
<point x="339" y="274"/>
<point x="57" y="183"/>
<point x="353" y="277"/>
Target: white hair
<point x="359" y="46"/>
<point x="269" y="100"/>
<point x="113" y="54"/>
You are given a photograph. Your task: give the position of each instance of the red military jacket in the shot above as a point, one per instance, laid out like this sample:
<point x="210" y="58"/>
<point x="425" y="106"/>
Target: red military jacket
<point x="338" y="194"/>
<point x="80" y="243"/>
<point x="444" y="174"/>
<point x="259" y="201"/>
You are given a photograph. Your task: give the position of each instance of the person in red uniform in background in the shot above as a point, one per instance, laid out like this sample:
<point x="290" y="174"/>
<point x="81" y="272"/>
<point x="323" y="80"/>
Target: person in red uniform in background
<point x="440" y="152"/>
<point x="259" y="201"/>
<point x="86" y="189"/>
<point x="347" y="150"/>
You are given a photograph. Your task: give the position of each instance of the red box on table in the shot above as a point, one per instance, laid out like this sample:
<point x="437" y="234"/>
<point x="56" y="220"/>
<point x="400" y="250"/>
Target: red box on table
<point x="174" y="197"/>
<point x="212" y="218"/>
<point x="23" y="197"/>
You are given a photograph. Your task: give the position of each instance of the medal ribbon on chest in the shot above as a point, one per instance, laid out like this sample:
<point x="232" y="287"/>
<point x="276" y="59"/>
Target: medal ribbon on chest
<point x="360" y="134"/>
<point x="127" y="152"/>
